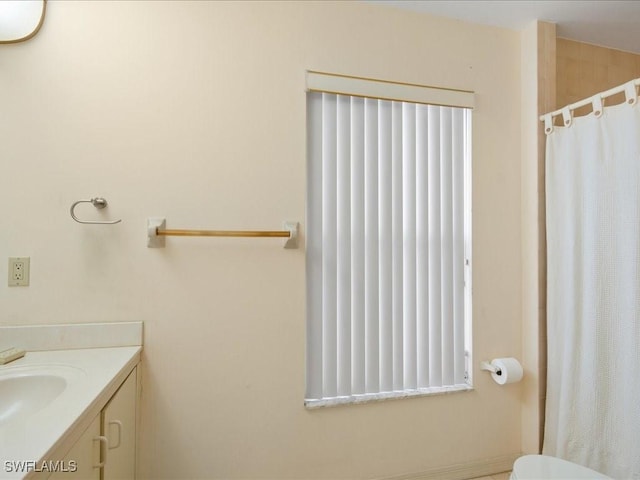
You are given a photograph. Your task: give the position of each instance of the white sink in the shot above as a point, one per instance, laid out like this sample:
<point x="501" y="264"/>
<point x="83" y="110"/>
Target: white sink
<point x="49" y="397"/>
<point x="25" y="390"/>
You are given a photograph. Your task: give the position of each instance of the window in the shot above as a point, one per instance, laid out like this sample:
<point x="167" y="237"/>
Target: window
<point x="388" y="240"/>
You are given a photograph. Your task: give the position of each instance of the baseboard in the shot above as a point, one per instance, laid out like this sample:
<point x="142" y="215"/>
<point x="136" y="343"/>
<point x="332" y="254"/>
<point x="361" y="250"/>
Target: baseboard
<point x="464" y="471"/>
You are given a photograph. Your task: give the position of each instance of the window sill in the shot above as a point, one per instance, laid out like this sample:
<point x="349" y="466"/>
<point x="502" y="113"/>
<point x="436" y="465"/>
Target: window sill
<point x="375" y="397"/>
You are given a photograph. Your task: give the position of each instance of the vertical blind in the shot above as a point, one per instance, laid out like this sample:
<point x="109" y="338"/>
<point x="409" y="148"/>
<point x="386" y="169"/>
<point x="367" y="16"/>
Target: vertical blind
<point x="387" y="248"/>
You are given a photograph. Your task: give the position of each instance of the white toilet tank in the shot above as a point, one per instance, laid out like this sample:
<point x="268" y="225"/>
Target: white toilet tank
<point x="538" y="467"/>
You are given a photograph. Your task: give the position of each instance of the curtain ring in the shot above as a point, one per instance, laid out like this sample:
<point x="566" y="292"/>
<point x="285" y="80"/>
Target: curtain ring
<point x="630" y="92"/>
<point x="566" y="116"/>
<point x="596" y="104"/>
<point x="548" y="124"/>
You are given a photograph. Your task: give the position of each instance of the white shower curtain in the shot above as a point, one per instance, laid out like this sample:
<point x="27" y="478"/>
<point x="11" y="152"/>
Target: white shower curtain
<point x="593" y="292"/>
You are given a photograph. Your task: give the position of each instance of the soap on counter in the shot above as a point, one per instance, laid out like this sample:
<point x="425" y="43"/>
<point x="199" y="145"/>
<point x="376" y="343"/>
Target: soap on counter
<point x="10" y="355"/>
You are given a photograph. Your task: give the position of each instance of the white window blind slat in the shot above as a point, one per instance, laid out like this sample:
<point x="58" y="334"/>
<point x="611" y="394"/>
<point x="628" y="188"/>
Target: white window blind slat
<point x="422" y="244"/>
<point x="409" y="247"/>
<point x="435" y="251"/>
<point x="357" y="247"/>
<point x="458" y="245"/>
<point x="343" y="259"/>
<point x="314" y="247"/>
<point x="385" y="227"/>
<point x="372" y="377"/>
<point x="446" y="217"/>
<point x="397" y="240"/>
<point x="388" y="235"/>
<point x="329" y="246"/>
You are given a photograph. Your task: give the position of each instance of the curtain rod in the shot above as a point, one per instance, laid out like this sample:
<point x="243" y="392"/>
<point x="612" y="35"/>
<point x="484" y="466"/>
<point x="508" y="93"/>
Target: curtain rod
<point x="587" y="101"/>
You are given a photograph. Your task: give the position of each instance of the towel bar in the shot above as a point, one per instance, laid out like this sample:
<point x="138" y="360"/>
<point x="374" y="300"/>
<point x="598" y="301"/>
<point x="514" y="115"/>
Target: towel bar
<point x="156" y="232"/>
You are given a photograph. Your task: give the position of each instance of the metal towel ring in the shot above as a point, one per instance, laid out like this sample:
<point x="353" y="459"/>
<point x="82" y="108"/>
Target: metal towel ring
<point x="97" y="202"/>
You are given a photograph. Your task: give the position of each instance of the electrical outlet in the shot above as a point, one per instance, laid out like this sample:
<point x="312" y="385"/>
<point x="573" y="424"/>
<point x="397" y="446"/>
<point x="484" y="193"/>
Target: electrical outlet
<point x="19" y="271"/>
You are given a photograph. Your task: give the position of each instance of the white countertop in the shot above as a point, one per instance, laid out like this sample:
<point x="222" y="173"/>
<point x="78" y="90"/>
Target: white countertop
<point x="94" y="374"/>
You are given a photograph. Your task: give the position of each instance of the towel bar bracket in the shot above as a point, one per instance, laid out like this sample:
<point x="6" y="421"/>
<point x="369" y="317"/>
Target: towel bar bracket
<point x="292" y="241"/>
<point x="153" y="225"/>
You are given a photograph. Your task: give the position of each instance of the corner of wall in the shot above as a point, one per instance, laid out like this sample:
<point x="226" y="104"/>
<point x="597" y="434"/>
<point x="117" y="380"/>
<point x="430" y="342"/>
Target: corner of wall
<point x="537" y="82"/>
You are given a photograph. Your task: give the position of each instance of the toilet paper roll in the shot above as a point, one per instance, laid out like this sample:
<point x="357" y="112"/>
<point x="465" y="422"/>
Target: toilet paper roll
<point x="508" y="370"/>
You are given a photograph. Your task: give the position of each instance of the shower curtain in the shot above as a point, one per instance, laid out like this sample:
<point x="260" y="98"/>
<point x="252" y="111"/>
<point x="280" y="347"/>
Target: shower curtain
<point x="593" y="291"/>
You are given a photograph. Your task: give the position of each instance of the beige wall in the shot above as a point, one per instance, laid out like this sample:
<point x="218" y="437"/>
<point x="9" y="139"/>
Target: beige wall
<point x="196" y="112"/>
<point x="584" y="70"/>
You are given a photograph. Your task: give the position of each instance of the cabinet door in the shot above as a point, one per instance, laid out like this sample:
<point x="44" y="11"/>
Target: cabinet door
<point x="119" y="426"/>
<point x="82" y="461"/>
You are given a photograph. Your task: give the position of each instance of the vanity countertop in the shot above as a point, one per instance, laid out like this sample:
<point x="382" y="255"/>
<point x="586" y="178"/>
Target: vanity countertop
<point x="92" y="376"/>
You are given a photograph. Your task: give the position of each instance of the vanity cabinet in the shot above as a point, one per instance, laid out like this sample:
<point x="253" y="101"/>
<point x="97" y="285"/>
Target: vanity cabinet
<point x="107" y="448"/>
<point x="119" y="427"/>
<point x="79" y="462"/>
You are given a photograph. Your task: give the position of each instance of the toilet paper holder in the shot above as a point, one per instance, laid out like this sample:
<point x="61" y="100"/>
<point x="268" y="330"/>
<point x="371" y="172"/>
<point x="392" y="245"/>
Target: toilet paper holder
<point x="504" y="370"/>
<point x="491" y="368"/>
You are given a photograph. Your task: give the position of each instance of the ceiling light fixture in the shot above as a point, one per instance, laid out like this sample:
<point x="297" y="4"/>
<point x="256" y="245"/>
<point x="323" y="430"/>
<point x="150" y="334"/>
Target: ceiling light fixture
<point x="20" y="20"/>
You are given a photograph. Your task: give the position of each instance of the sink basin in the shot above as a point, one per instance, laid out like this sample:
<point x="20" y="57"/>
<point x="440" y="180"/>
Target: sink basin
<point x="26" y="390"/>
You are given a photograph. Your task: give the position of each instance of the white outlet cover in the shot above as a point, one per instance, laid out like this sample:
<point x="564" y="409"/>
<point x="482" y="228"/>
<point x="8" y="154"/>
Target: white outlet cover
<point x="18" y="271"/>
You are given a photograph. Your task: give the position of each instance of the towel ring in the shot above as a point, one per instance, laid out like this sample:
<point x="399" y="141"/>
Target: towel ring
<point x="97" y="202"/>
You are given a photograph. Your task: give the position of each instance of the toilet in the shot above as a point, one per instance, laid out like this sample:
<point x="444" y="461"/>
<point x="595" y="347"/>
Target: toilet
<point x="538" y="467"/>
